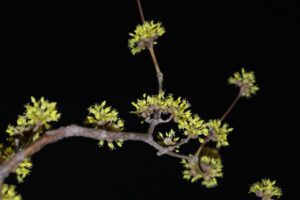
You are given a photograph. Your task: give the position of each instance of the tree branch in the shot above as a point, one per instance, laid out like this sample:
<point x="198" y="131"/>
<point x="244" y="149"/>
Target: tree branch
<point x="53" y="136"/>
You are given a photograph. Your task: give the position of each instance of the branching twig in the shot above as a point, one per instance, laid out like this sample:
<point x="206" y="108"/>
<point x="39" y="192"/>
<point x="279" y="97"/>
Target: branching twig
<point x="76" y="131"/>
<point x="172" y="148"/>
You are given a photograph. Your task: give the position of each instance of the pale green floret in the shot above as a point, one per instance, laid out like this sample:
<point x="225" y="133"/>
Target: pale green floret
<point x="207" y="170"/>
<point x="245" y="81"/>
<point x="37" y="114"/>
<point x="265" y="189"/>
<point x="168" y="139"/>
<point x="111" y="145"/>
<point x="102" y="116"/>
<point x="5" y="152"/>
<point x="23" y="170"/>
<point x="144" y="36"/>
<point x="219" y="132"/>
<point x="9" y="193"/>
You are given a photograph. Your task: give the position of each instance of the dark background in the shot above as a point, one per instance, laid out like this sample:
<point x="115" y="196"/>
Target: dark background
<point x="77" y="55"/>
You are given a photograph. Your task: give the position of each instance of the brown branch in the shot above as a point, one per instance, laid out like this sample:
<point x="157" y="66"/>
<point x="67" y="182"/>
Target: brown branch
<point x="159" y="74"/>
<point x="164" y="150"/>
<point x="152" y="126"/>
<point x="161" y="121"/>
<point x="172" y="148"/>
<point x="53" y="136"/>
<point x="202" y="146"/>
<point x="141" y="10"/>
<point x="231" y="106"/>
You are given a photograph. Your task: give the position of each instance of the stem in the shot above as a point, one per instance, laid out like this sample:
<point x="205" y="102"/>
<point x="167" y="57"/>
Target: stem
<point x="141" y="10"/>
<point x="159" y="74"/>
<point x="200" y="149"/>
<point x="231" y="106"/>
<point x="176" y="155"/>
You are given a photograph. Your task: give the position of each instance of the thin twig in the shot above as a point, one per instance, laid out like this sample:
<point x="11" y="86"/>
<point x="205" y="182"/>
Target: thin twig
<point x="172" y="148"/>
<point x="161" y="121"/>
<point x="231" y="106"/>
<point x="159" y="74"/>
<point x="141" y="10"/>
<point x="201" y="147"/>
<point x="176" y="155"/>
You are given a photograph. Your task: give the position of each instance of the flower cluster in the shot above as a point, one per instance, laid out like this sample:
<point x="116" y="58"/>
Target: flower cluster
<point x="5" y="152"/>
<point x="23" y="170"/>
<point x="265" y="189"/>
<point x="144" y="36"/>
<point x="219" y="132"/>
<point x="105" y="117"/>
<point x="168" y="139"/>
<point x="191" y="124"/>
<point x="111" y="145"/>
<point x="245" y="81"/>
<point x="36" y="116"/>
<point x="9" y="193"/>
<point x="206" y="168"/>
<point x="102" y="116"/>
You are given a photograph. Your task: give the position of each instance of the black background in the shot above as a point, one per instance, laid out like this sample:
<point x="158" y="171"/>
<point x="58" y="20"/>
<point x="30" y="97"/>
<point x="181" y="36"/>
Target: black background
<point x="77" y="55"/>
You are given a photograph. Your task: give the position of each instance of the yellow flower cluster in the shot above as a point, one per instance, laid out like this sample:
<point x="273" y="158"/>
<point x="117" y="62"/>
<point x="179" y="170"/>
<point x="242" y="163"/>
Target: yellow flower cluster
<point x="219" y="132"/>
<point x="144" y="36"/>
<point x="245" y="81"/>
<point x="38" y="114"/>
<point x="206" y="169"/>
<point x="102" y="116"/>
<point x="5" y="152"/>
<point x="9" y="193"/>
<point x="191" y="124"/>
<point x="105" y="117"/>
<point x="111" y="145"/>
<point x="265" y="189"/>
<point x="23" y="170"/>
